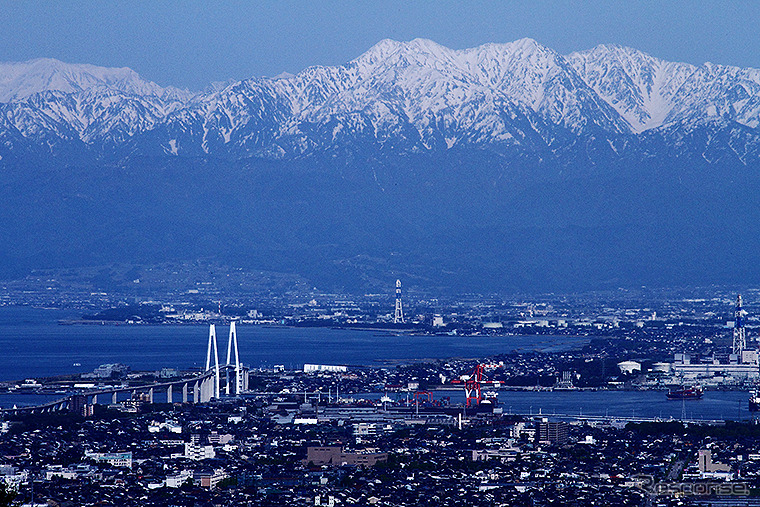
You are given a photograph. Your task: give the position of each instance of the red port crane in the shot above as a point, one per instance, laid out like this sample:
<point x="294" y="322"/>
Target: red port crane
<point x="424" y="396"/>
<point x="472" y="386"/>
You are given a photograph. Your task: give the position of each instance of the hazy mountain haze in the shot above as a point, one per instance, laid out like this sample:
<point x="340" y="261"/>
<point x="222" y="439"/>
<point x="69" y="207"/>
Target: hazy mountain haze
<point x="500" y="167"/>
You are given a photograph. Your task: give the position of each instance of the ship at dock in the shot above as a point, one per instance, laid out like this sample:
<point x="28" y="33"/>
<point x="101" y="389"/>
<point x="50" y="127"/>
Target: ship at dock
<point x="685" y="393"/>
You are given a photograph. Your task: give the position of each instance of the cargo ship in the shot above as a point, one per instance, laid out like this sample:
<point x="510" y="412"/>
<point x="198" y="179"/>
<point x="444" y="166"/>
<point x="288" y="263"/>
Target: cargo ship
<point x="754" y="401"/>
<point x="686" y="393"/>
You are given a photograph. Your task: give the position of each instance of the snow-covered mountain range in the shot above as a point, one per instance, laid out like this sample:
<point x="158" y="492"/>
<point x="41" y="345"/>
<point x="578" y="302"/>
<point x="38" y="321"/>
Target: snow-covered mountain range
<point x="505" y="166"/>
<point x="404" y="97"/>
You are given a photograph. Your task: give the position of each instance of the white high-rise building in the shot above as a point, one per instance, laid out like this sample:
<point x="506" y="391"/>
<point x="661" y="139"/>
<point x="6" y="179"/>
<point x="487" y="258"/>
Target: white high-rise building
<point x="398" y="316"/>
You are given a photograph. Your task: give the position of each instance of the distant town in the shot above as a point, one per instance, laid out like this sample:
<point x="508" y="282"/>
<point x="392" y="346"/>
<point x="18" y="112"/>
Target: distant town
<point x="428" y="432"/>
<point x="636" y="339"/>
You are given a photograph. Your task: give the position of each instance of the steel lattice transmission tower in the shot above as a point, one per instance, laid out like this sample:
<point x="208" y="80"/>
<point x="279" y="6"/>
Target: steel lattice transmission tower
<point x="398" y="316"/>
<point x="740" y="337"/>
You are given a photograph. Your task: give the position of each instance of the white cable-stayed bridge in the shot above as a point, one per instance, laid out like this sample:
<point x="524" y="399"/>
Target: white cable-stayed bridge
<point x="229" y="379"/>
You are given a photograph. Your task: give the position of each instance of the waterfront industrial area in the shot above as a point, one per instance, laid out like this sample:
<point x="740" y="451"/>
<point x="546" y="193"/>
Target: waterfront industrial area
<point x="443" y="431"/>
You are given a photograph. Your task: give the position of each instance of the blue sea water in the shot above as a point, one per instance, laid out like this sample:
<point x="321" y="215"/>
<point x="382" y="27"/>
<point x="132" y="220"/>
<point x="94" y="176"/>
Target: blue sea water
<point x="34" y="344"/>
<point x="715" y="405"/>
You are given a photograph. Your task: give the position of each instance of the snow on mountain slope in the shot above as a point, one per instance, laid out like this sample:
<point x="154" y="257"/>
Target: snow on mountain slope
<point x="407" y="96"/>
<point x="640" y="87"/>
<point x="48" y="98"/>
<point x="19" y="81"/>
<point x="422" y="77"/>
<point x="650" y="93"/>
<point x="419" y="92"/>
<point x="91" y="115"/>
<point x="718" y="92"/>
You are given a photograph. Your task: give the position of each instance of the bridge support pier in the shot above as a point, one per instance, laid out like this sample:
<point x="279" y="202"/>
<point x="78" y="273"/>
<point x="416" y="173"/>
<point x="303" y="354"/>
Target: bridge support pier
<point x="184" y="392"/>
<point x="150" y="395"/>
<point x="196" y="393"/>
<point x="208" y="388"/>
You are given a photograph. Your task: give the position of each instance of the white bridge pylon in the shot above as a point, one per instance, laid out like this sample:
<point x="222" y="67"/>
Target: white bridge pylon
<point x="212" y="338"/>
<point x="232" y="342"/>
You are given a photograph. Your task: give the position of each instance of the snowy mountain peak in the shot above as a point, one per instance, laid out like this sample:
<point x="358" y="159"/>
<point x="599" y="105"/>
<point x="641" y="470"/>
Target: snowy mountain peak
<point x="428" y="45"/>
<point x="527" y="44"/>
<point x="19" y="81"/>
<point x="377" y="53"/>
<point x="640" y="87"/>
<point x="411" y="96"/>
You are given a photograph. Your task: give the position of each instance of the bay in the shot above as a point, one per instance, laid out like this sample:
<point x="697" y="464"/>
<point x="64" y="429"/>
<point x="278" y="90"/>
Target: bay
<point x="34" y="344"/>
<point x="715" y="405"/>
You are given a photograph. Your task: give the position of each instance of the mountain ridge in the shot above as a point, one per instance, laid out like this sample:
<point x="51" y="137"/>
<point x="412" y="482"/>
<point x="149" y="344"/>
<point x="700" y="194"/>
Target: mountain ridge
<point x="408" y="97"/>
<point x="21" y="80"/>
<point x="501" y="167"/>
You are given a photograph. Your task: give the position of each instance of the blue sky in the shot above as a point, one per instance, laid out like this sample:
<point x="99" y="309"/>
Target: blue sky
<point x="190" y="43"/>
